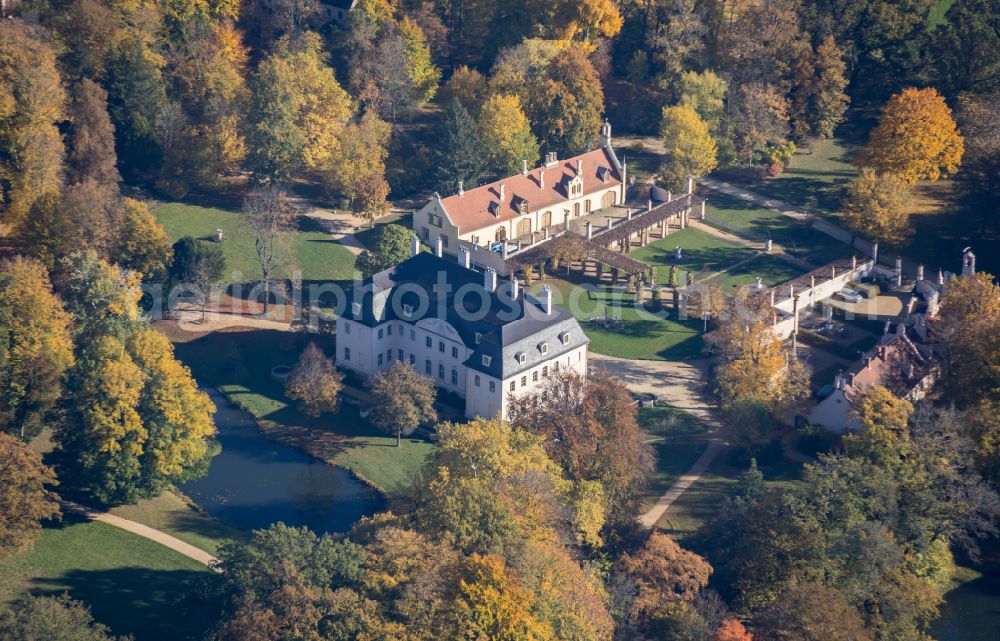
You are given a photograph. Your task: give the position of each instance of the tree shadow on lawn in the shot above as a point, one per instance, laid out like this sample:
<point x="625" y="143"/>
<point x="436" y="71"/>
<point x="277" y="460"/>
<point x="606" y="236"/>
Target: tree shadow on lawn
<point x="151" y="605"/>
<point x="708" y="258"/>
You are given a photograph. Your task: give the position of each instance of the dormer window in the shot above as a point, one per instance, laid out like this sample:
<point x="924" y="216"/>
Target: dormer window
<point x="604" y="174"/>
<point x="479" y="338"/>
<point x="564" y="338"/>
<point x="522" y="205"/>
<point x="487" y="360"/>
<point x="543" y="348"/>
<point x="408" y="310"/>
<point x="521" y="358"/>
<point x="356" y="309"/>
<point x="495" y="208"/>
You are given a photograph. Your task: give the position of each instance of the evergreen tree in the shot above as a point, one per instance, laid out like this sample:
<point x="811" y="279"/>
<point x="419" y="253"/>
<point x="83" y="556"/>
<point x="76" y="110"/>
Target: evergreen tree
<point x="459" y="155"/>
<point x="137" y="95"/>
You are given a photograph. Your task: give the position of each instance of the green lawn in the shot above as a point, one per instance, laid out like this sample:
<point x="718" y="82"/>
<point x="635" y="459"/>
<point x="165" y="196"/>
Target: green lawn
<point x="755" y="222"/>
<point x="817" y="178"/>
<point x="701" y="253"/>
<point x="771" y="269"/>
<point x="679" y="441"/>
<point x="644" y="335"/>
<point x="709" y="493"/>
<point x="170" y="513"/>
<point x="311" y="250"/>
<point x="239" y="363"/>
<point x="132" y="585"/>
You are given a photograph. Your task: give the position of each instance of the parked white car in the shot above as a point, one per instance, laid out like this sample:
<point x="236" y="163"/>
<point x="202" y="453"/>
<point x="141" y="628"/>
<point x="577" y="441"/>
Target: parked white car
<point x="850" y="295"/>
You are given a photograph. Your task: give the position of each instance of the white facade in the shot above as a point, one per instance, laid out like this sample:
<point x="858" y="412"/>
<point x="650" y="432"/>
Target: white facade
<point x="474" y="364"/>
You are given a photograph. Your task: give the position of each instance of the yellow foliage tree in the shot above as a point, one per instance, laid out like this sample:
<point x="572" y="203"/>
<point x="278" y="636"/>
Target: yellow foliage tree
<point x="424" y="75"/>
<point x="176" y="415"/>
<point x="35" y="346"/>
<point x="691" y="149"/>
<point x="587" y="18"/>
<point x="32" y="105"/>
<point x="883" y="418"/>
<point x="968" y="331"/>
<point x="916" y="137"/>
<point x="877" y="208"/>
<point x="506" y="135"/>
<point x="494" y="605"/>
<point x="753" y="366"/>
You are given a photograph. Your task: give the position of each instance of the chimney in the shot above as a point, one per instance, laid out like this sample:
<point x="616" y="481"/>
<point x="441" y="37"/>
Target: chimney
<point x="551" y="159"/>
<point x="940" y="277"/>
<point x="439" y="248"/>
<point x="541" y="179"/>
<point x="503" y="192"/>
<point x="850" y="379"/>
<point x="547" y="300"/>
<point x="414" y="246"/>
<point x="461" y="188"/>
<point x="579" y="166"/>
<point x="590" y="230"/>
<point x="490" y="279"/>
<point x="690" y="184"/>
<point x="524" y="167"/>
<point x="920" y="272"/>
<point x="606" y="133"/>
<point x="881" y="352"/>
<point x="464" y="257"/>
<point x="670" y="196"/>
<point x="515" y="287"/>
<point x="838" y="381"/>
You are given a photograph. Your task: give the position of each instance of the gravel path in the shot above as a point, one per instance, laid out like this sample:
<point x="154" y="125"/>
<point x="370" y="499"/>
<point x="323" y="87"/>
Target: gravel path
<point x="145" y="532"/>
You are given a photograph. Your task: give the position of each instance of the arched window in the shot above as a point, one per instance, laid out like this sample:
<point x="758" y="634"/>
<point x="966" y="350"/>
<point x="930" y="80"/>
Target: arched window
<point x="501" y="234"/>
<point x="524" y="227"/>
<point x="609" y="198"/>
<point x="546" y="219"/>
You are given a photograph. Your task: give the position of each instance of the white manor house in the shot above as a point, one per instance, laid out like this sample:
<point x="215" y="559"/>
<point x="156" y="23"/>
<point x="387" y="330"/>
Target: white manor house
<point x="454" y="324"/>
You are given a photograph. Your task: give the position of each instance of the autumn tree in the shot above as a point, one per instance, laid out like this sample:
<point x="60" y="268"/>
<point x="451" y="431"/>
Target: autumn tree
<point x="664" y="574"/>
<point x="92" y="153"/>
<point x="459" y="152"/>
<point x="32" y="106"/>
<point x="731" y="630"/>
<point x="468" y="86"/>
<point x="877" y="208"/>
<point x="492" y="604"/>
<point x="968" y="330"/>
<point x="590" y="429"/>
<point x="391" y="247"/>
<point x="143" y="244"/>
<point x="315" y="382"/>
<point x="298" y="111"/>
<point x="47" y="233"/>
<point x="506" y="135"/>
<point x="268" y="217"/>
<point x="102" y="298"/>
<point x="424" y="75"/>
<point x="819" y="101"/>
<point x="811" y="613"/>
<point x="358" y="173"/>
<point x="135" y="421"/>
<point x="760" y="118"/>
<point x="401" y="400"/>
<point x="704" y="92"/>
<point x="25" y="500"/>
<point x="35" y="347"/>
<point x="691" y="150"/>
<point x="567" y="108"/>
<point x="752" y="364"/>
<point x="53" y="618"/>
<point x="916" y="138"/>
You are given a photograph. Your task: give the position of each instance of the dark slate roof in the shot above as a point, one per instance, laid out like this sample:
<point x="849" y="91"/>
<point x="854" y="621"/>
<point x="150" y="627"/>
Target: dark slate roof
<point x="436" y="287"/>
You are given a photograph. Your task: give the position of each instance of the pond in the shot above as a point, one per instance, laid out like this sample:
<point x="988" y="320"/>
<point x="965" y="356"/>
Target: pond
<point x="971" y="611"/>
<point x="254" y="482"/>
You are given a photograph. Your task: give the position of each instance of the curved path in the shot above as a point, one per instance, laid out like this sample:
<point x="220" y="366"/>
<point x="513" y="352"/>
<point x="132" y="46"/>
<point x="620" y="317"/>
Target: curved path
<point x="145" y="532"/>
<point x="684" y="386"/>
